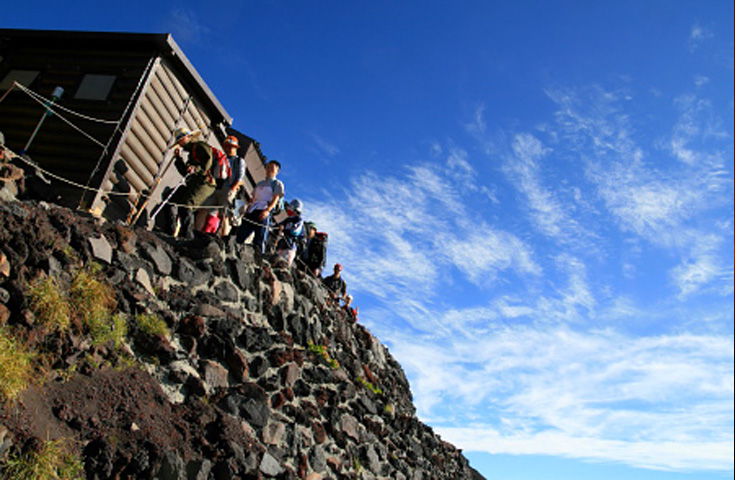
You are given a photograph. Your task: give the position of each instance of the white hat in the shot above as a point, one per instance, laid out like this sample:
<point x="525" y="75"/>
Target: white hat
<point x="295" y="205"/>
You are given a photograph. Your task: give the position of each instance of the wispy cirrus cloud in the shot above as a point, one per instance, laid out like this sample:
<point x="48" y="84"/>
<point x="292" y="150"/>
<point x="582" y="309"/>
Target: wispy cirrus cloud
<point x="186" y="26"/>
<point x="698" y="35"/>
<point x="405" y="230"/>
<point x="540" y="353"/>
<point x="324" y="147"/>
<point x="547" y="211"/>
<point x="593" y="393"/>
<point x="662" y="204"/>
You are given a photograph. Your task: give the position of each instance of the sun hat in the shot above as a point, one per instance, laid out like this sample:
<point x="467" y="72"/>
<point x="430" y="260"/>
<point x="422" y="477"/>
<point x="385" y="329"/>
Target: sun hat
<point x="180" y="133"/>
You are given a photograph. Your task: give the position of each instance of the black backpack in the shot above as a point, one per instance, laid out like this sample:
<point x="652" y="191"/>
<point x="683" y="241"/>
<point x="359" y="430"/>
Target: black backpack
<point x="316" y="253"/>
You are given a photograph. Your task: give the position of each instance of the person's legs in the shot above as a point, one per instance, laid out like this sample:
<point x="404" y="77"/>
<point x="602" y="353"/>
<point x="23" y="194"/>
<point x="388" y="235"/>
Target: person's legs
<point x="186" y="215"/>
<point x="261" y="235"/>
<point x="249" y="224"/>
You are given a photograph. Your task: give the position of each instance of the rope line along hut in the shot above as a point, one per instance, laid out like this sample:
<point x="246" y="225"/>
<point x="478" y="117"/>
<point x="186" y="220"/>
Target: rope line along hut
<point x="126" y="93"/>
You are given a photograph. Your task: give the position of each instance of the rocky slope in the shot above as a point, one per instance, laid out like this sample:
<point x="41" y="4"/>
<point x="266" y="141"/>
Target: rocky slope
<point x="250" y="374"/>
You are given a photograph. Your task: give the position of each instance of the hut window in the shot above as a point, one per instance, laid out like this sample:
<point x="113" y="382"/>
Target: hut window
<point x="24" y="77"/>
<point x="95" y="87"/>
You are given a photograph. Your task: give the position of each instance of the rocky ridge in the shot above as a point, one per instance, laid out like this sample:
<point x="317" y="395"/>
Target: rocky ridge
<point x="255" y="376"/>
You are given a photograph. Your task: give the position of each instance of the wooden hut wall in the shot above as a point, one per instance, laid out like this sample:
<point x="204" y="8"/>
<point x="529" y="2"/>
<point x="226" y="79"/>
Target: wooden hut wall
<point x="165" y="105"/>
<point x="254" y="169"/>
<point x="59" y="147"/>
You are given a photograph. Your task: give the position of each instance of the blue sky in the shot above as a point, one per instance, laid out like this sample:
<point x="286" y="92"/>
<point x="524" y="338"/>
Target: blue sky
<point x="532" y="201"/>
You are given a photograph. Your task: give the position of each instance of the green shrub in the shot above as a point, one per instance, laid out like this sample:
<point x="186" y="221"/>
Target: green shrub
<point x="369" y="386"/>
<point x="103" y="329"/>
<point x="151" y="325"/>
<point x="321" y="351"/>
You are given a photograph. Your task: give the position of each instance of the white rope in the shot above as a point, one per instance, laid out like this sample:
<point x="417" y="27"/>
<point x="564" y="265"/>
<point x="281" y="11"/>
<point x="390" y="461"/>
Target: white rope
<point x="62" y="179"/>
<point x="48" y="107"/>
<point x="110" y="193"/>
<point x="41" y="99"/>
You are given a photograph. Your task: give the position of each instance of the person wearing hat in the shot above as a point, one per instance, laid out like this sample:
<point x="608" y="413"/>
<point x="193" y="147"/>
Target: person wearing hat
<point x="336" y="284"/>
<point x="199" y="184"/>
<point x="265" y="196"/>
<point x="227" y="189"/>
<point x="291" y="232"/>
<point x="349" y="309"/>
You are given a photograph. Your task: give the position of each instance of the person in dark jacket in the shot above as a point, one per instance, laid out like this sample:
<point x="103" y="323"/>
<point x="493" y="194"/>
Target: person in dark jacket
<point x="199" y="184"/>
<point x="336" y="284"/>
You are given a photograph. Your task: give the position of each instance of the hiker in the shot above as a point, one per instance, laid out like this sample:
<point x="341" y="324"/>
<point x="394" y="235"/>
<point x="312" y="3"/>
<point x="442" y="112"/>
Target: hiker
<point x="266" y="195"/>
<point x="336" y="284"/>
<point x="199" y="184"/>
<point x="290" y="231"/>
<point x="11" y="176"/>
<point x="228" y="177"/>
<point x="309" y="231"/>
<point x="349" y="309"/>
<point x="313" y="256"/>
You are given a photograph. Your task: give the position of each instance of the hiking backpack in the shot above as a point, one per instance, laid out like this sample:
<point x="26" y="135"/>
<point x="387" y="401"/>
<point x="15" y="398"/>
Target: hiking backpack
<point x="220" y="166"/>
<point x="316" y="254"/>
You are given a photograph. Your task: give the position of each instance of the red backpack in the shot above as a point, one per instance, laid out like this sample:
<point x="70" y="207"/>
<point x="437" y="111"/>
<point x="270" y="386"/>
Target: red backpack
<point x="220" y="165"/>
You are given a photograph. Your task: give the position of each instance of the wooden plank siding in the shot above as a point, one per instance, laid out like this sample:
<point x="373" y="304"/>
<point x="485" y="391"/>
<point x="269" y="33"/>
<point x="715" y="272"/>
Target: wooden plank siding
<point x="164" y="106"/>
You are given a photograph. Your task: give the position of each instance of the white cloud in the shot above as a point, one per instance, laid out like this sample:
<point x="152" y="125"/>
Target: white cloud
<point x="661" y="202"/>
<point x="404" y="229"/>
<point x="699" y="455"/>
<point x="186" y="26"/>
<point x="549" y="214"/>
<point x="698" y="35"/>
<point x="325" y="147"/>
<point x="647" y="401"/>
<point x="541" y="353"/>
<point x="483" y="253"/>
<point x="477" y="126"/>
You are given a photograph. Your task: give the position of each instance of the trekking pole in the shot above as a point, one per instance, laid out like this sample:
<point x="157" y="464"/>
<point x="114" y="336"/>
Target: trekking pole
<point x="138" y="211"/>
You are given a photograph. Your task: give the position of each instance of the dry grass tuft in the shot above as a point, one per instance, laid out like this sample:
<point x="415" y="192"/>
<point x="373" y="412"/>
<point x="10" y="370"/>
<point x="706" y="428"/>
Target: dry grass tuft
<point x="49" y="304"/>
<point x="152" y="325"/>
<point x="54" y="461"/>
<point x="16" y="367"/>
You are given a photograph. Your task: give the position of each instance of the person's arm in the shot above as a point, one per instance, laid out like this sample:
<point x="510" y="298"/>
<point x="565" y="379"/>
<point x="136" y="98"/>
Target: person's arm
<point x="270" y="206"/>
<point x="238" y="172"/>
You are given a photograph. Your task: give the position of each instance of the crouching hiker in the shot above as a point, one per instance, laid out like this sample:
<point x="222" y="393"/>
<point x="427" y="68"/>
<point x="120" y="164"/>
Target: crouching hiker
<point x="313" y="250"/>
<point x="336" y="284"/>
<point x="266" y="195"/>
<point x="199" y="184"/>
